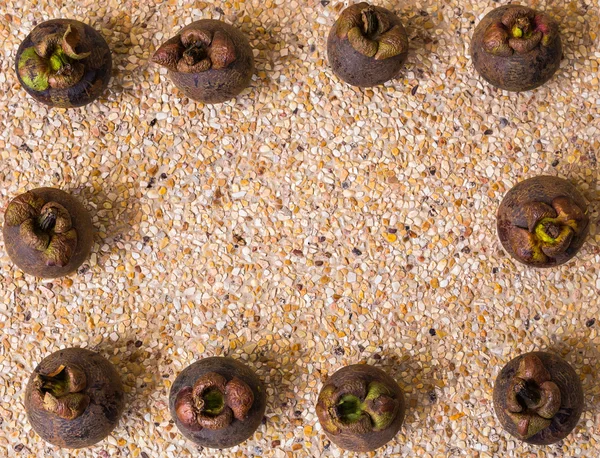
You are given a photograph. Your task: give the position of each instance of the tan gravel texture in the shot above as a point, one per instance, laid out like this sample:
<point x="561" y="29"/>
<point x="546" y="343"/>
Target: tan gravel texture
<point x="305" y="226"/>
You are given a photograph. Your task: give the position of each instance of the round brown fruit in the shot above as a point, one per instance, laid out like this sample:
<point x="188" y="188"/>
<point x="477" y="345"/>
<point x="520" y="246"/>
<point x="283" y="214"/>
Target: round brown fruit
<point x="538" y="398"/>
<point x="74" y="398"/>
<point x="217" y="402"/>
<point x="543" y="221"/>
<point x="516" y="48"/>
<point x="209" y="61"/>
<point x="360" y="408"/>
<point x="367" y="45"/>
<point x="64" y="63"/>
<point x="47" y="232"/>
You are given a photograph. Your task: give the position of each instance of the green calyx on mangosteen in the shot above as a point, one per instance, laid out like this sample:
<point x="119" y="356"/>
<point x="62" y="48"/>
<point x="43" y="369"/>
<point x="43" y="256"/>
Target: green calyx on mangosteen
<point x="360" y="408"/>
<point x="217" y="402"/>
<point x="47" y="232"/>
<point x="538" y="398"/>
<point x="209" y="61"/>
<point x="543" y="221"/>
<point x="64" y="63"/>
<point x="367" y="45"/>
<point x="74" y="398"/>
<point x="516" y="48"/>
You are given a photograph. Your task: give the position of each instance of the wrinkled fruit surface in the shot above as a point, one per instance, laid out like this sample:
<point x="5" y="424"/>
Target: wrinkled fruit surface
<point x="360" y="408"/>
<point x="538" y="398"/>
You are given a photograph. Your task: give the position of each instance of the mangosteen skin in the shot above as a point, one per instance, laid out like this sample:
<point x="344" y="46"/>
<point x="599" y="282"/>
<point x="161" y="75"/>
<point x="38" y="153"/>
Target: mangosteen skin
<point x="518" y="72"/>
<point x="107" y="401"/>
<point x="514" y="213"/>
<point x="358" y="69"/>
<point x="238" y="431"/>
<point x="572" y="398"/>
<point x="30" y="260"/>
<point x="98" y="66"/>
<point x="217" y="85"/>
<point x="371" y="440"/>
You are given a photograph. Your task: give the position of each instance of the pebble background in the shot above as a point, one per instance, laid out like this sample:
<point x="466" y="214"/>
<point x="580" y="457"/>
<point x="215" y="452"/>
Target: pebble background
<point x="305" y="226"/>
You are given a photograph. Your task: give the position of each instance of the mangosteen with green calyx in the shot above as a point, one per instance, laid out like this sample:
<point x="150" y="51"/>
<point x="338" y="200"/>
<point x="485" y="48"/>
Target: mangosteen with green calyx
<point x="538" y="398"/>
<point x="209" y="61"/>
<point x="47" y="232"/>
<point x="516" y="48"/>
<point x="64" y="63"/>
<point x="360" y="408"/>
<point x="74" y="398"/>
<point x="217" y="402"/>
<point x="543" y="221"/>
<point x="367" y="45"/>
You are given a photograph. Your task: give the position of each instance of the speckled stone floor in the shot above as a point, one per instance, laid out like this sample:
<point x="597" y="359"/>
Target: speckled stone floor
<point x="305" y="226"/>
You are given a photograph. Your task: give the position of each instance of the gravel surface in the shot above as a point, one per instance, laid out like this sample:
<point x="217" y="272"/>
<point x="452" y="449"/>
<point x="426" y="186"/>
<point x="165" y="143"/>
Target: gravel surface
<point x="305" y="226"/>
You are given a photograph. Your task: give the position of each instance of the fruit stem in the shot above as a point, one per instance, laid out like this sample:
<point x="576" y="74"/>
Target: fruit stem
<point x="350" y="409"/>
<point x="214" y="402"/>
<point x="370" y="22"/>
<point x="48" y="221"/>
<point x="530" y="394"/>
<point x="517" y="32"/>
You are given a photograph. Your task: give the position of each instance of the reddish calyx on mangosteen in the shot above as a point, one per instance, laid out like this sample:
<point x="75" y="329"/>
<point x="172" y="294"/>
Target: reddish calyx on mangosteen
<point x="217" y="402"/>
<point x="516" y="48"/>
<point x="195" y="51"/>
<point x="519" y="30"/>
<point x="208" y="60"/>
<point x="213" y="402"/>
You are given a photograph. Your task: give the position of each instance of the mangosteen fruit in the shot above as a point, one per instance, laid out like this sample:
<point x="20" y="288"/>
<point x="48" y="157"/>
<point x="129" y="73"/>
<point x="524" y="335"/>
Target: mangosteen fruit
<point x="209" y="61"/>
<point x="47" y="232"/>
<point x="543" y="221"/>
<point x="217" y="402"/>
<point x="64" y="63"/>
<point x="538" y="398"/>
<point x="360" y="408"/>
<point x="367" y="45"/>
<point x="74" y="398"/>
<point x="516" y="48"/>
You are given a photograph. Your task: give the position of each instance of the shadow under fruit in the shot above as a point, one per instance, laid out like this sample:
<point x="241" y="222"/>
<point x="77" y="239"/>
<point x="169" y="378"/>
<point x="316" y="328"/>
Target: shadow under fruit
<point x="538" y="398"/>
<point x="360" y="408"/>
<point x="47" y="232"/>
<point x="64" y="63"/>
<point x="543" y="221"/>
<point x="74" y="398"/>
<point x="217" y="402"/>
<point x="209" y="61"/>
<point x="367" y="45"/>
<point x="516" y="48"/>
